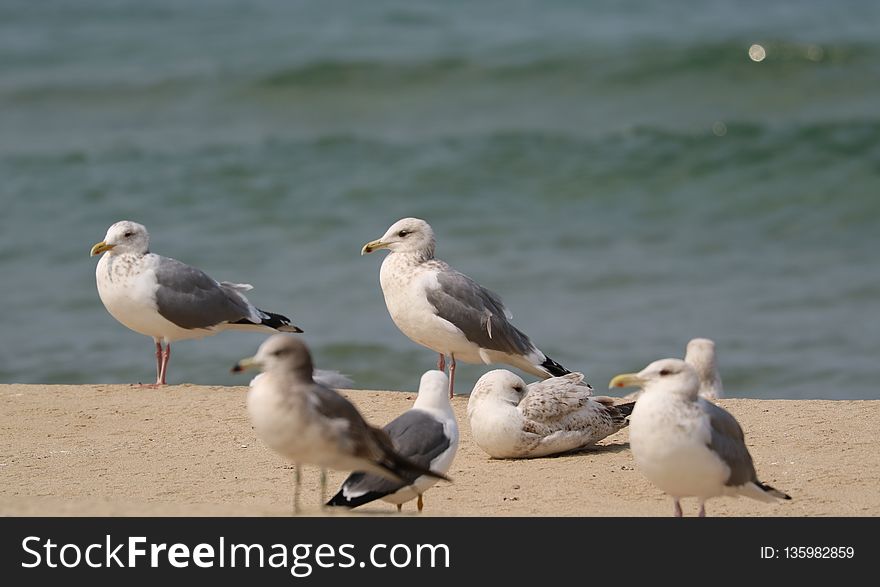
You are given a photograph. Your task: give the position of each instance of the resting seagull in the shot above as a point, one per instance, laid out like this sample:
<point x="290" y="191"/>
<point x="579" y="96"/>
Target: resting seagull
<point x="686" y="445"/>
<point x="168" y="300"/>
<point x="446" y="311"/>
<point x="510" y="420"/>
<point x="308" y="423"/>
<point x="426" y="434"/>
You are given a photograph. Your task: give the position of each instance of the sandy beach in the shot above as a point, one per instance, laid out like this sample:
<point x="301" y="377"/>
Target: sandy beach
<point x="77" y="450"/>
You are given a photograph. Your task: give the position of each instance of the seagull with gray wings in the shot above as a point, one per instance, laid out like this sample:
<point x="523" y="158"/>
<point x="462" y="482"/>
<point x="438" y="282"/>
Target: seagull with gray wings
<point x="686" y="445"/>
<point x="426" y="434"/>
<point x="168" y="300"/>
<point x="447" y="311"/>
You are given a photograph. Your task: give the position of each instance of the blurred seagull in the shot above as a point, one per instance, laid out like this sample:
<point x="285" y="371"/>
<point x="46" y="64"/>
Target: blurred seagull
<point x="510" y="420"/>
<point x="308" y="423"/>
<point x="686" y="445"/>
<point x="700" y="354"/>
<point x="167" y="300"/>
<point x="426" y="434"/>
<point x="446" y="311"/>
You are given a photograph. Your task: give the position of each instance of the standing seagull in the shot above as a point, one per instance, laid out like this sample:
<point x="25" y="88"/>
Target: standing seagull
<point x="685" y="445"/>
<point x="700" y="355"/>
<point x="308" y="423"/>
<point x="426" y="434"/>
<point x="169" y="300"/>
<point x="510" y="420"/>
<point x="446" y="311"/>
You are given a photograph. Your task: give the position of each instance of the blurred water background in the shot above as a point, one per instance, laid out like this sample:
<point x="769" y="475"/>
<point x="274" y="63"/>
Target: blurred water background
<point x="624" y="174"/>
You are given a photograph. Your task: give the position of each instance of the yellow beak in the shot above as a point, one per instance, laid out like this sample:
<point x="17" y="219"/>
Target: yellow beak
<point x="245" y="364"/>
<point x="626" y="380"/>
<point x="373" y="246"/>
<point x="99" y="248"/>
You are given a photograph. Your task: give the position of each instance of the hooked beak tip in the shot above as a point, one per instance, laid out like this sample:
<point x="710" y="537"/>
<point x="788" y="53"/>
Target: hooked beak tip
<point x="99" y="248"/>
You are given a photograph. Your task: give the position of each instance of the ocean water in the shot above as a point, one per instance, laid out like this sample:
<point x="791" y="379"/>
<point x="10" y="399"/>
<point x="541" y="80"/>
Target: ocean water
<point x="622" y="174"/>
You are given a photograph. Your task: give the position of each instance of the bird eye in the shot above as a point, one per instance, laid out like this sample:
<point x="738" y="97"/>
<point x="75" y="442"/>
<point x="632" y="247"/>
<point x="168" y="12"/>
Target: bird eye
<point x="127" y="234"/>
<point x="518" y="388"/>
<point x="664" y="372"/>
<point x="402" y="233"/>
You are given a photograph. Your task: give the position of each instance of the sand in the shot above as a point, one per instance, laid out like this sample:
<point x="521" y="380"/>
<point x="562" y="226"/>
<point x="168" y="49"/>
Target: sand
<point x="103" y="450"/>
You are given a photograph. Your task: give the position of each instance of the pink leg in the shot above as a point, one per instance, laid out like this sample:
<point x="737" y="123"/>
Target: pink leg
<point x="702" y="513"/>
<point x="451" y="376"/>
<point x="677" y="509"/>
<point x="165" y="357"/>
<point x="441" y="363"/>
<point x="158" y="361"/>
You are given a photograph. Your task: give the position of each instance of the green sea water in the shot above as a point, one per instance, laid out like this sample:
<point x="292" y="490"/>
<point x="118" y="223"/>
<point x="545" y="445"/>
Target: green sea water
<point x="624" y="175"/>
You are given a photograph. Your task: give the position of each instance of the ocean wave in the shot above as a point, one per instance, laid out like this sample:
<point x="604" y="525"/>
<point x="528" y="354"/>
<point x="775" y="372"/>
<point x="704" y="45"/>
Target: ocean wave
<point x="641" y="64"/>
<point x="645" y="146"/>
<point x="335" y="73"/>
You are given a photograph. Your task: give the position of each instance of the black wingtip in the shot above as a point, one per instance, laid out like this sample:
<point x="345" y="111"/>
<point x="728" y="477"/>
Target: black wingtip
<point x="554" y="368"/>
<point x="773" y="491"/>
<point x="339" y="500"/>
<point x="279" y="322"/>
<point x="626" y="409"/>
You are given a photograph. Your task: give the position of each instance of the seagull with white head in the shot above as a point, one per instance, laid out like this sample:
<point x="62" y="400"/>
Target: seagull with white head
<point x="426" y="434"/>
<point x="168" y="300"/>
<point x="686" y="445"/>
<point x="446" y="311"/>
<point x="512" y="420"/>
<point x="700" y="355"/>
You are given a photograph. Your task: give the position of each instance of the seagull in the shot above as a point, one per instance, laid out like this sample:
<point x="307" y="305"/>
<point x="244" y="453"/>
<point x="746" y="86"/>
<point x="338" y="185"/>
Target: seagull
<point x="446" y="311"/>
<point x="426" y="434"/>
<point x="510" y="420"/>
<point x="700" y="354"/>
<point x="308" y="423"/>
<point x="686" y="445"/>
<point x="168" y="300"/>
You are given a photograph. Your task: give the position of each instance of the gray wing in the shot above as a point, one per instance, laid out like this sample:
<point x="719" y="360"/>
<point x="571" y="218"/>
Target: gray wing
<point x="360" y="439"/>
<point x="477" y="312"/>
<point x="333" y="405"/>
<point x="416" y="436"/>
<point x="728" y="442"/>
<point x="189" y="298"/>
